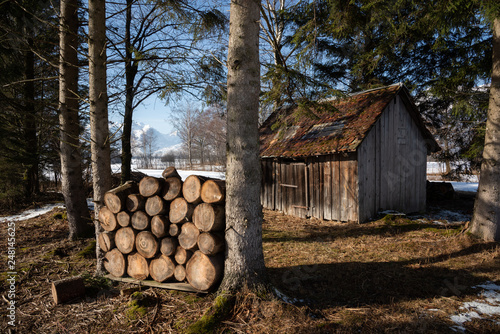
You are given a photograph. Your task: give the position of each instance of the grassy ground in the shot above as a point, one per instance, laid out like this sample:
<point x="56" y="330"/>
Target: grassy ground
<point x="394" y="275"/>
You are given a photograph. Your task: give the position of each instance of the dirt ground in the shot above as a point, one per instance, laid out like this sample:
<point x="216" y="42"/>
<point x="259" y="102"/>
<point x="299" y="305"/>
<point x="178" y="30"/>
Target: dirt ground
<point x="393" y="275"/>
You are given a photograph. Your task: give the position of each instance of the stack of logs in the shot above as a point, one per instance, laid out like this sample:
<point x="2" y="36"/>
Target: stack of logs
<point x="165" y="229"/>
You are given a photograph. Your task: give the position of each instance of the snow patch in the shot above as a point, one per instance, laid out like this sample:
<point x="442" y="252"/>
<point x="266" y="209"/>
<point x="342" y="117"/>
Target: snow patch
<point x="32" y="213"/>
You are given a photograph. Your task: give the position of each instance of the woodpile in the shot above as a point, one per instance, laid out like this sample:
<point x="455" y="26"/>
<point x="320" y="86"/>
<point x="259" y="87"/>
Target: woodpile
<point x="165" y="229"/>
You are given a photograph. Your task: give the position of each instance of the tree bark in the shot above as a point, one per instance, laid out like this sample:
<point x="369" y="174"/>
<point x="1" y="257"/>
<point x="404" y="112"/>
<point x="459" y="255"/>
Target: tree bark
<point x="71" y="162"/>
<point x="244" y="263"/>
<point x="486" y="219"/>
<point x="98" y="97"/>
<point x="67" y="289"/>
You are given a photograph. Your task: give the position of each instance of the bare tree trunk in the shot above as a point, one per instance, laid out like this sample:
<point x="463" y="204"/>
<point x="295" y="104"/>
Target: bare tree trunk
<point x="71" y="162"/>
<point x="29" y="120"/>
<point x="130" y="72"/>
<point x="486" y="219"/>
<point x="99" y="132"/>
<point x="244" y="263"/>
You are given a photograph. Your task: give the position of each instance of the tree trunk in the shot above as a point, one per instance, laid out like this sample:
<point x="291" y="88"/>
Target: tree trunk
<point x="213" y="191"/>
<point x="137" y="266"/>
<point x="160" y="226"/>
<point x="244" y="263"/>
<point x="67" y="289"/>
<point x="146" y="244"/>
<point x="130" y="73"/>
<point x="172" y="188"/>
<point x="191" y="188"/>
<point x="116" y="199"/>
<point x="208" y="217"/>
<point x="71" y="161"/>
<point x="140" y="221"/>
<point x="162" y="268"/>
<point x="151" y="186"/>
<point x="29" y="123"/>
<point x="168" y="246"/>
<point x="188" y="239"/>
<point x="486" y="219"/>
<point x="180" y="211"/>
<point x="115" y="262"/>
<point x="135" y="202"/>
<point x="203" y="271"/>
<point x="125" y="240"/>
<point x="98" y="97"/>
<point x="156" y="205"/>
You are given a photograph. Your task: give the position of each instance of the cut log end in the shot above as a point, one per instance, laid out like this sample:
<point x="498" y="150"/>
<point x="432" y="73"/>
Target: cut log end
<point x="107" y="219"/>
<point x="213" y="191"/>
<point x="146" y="244"/>
<point x="203" y="272"/>
<point x="172" y="188"/>
<point x="115" y="262"/>
<point x="151" y="186"/>
<point x="209" y="217"/>
<point x="137" y="266"/>
<point x="162" y="268"/>
<point x="191" y="188"/>
<point x="125" y="240"/>
<point x="188" y="239"/>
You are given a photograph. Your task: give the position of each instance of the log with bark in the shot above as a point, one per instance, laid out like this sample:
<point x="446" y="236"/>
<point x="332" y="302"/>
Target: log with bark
<point x="170" y="172"/>
<point x="156" y="205"/>
<point x="203" y="272"/>
<point x="213" y="191"/>
<point x="125" y="240"/>
<point x="191" y="188"/>
<point x="146" y="244"/>
<point x="160" y="226"/>
<point x="107" y="219"/>
<point x="123" y="218"/>
<point x="161" y="268"/>
<point x="172" y="188"/>
<point x="135" y="202"/>
<point x="106" y="241"/>
<point x="188" y="239"/>
<point x="168" y="246"/>
<point x="150" y="186"/>
<point x="137" y="266"/>
<point x="211" y="243"/>
<point x="116" y="198"/>
<point x="67" y="289"/>
<point x="180" y="211"/>
<point x="115" y="262"/>
<point x="209" y="217"/>
<point x="140" y="220"/>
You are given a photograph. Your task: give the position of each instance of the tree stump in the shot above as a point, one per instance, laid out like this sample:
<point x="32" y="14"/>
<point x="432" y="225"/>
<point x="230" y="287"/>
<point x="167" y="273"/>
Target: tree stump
<point x="188" y="239"/>
<point x="115" y="262"/>
<point x="115" y="198"/>
<point x="203" y="271"/>
<point x="67" y="289"/>
<point x="208" y="217"/>
<point x="138" y="266"/>
<point x="146" y="244"/>
<point x="161" y="268"/>
<point x="213" y="191"/>
<point x="125" y="240"/>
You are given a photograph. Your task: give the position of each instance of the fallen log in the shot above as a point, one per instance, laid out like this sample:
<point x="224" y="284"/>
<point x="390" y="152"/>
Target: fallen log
<point x="203" y="271"/>
<point x="161" y="268"/>
<point x="146" y="244"/>
<point x="150" y="186"/>
<point x="125" y="240"/>
<point x="180" y="211"/>
<point x="137" y="266"/>
<point x="188" y="239"/>
<point x="115" y="198"/>
<point x="208" y="217"/>
<point x="115" y="262"/>
<point x="213" y="191"/>
<point x="67" y="289"/>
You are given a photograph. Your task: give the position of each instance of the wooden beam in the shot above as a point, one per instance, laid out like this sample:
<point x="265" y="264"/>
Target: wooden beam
<point x="172" y="286"/>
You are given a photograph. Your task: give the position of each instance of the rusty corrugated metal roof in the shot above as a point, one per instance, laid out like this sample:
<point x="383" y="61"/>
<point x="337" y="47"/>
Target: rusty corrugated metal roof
<point x="320" y="132"/>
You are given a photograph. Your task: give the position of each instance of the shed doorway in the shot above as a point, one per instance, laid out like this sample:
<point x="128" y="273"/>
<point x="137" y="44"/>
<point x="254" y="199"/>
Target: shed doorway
<point x="293" y="187"/>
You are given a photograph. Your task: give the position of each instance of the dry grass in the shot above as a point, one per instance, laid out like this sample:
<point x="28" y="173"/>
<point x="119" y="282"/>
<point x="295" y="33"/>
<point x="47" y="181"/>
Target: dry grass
<point x="392" y="275"/>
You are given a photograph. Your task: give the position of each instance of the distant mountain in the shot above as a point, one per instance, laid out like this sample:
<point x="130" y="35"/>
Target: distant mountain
<point x="162" y="143"/>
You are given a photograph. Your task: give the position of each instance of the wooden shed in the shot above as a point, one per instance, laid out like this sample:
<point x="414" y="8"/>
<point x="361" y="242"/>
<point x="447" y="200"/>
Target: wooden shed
<point x="347" y="163"/>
